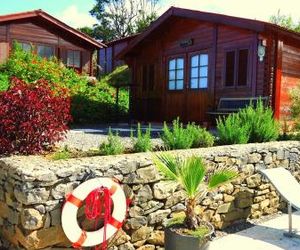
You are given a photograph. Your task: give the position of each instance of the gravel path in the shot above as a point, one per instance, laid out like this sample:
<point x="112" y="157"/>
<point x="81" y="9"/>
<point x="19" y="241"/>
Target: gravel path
<point x="85" y="140"/>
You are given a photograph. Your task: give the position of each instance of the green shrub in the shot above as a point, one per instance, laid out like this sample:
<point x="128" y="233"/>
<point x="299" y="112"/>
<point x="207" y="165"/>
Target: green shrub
<point x="232" y="130"/>
<point x="201" y="137"/>
<point x="113" y="146"/>
<point x="178" y="137"/>
<point x="62" y="154"/>
<point x="263" y="127"/>
<point x="4" y="82"/>
<point x="119" y="77"/>
<point x="252" y="124"/>
<point x="142" y="143"/>
<point x="89" y="103"/>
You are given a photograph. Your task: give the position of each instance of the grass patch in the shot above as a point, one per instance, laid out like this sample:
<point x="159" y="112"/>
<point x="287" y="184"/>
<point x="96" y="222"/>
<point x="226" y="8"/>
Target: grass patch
<point x="61" y="155"/>
<point x="200" y="232"/>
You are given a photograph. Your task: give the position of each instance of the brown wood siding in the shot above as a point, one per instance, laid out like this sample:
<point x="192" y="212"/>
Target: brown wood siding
<point x="2" y="33"/>
<point x="290" y="77"/>
<point x="33" y="33"/>
<point x="36" y="34"/>
<point x="191" y="105"/>
<point x="232" y="38"/>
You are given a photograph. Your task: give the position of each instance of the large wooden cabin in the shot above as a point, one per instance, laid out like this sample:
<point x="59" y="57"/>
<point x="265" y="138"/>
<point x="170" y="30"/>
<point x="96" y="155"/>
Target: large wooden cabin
<point x="49" y="37"/>
<point x="187" y="60"/>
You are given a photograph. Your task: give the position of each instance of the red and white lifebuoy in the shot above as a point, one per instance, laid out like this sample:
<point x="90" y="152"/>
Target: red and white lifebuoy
<point x="69" y="213"/>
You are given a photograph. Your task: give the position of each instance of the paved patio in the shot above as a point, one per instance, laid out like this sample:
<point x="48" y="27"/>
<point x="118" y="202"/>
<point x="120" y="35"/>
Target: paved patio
<point x="266" y="236"/>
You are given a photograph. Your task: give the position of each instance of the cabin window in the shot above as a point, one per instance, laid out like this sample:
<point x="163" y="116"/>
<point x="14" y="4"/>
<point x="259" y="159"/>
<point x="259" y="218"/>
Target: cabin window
<point x="26" y="47"/>
<point x="45" y="51"/>
<point x="176" y="74"/>
<point x="73" y="58"/>
<point x="148" y="77"/>
<point x="243" y="67"/>
<point x="199" y="71"/>
<point x="236" y="68"/>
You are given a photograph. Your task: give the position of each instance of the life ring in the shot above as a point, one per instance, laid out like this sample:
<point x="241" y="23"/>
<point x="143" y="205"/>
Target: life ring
<point x="69" y="213"/>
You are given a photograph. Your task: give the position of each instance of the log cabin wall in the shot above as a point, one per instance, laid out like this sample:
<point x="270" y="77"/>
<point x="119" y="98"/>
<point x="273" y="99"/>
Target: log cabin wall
<point x="290" y="77"/>
<point x="159" y="103"/>
<point x="38" y="34"/>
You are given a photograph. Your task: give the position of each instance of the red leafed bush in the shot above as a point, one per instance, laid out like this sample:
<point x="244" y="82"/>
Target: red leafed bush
<point x="32" y="117"/>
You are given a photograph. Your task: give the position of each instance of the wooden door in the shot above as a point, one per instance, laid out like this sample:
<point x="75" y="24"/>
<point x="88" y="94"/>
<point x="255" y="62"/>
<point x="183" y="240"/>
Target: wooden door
<point x="190" y="101"/>
<point x="175" y="87"/>
<point x="198" y="94"/>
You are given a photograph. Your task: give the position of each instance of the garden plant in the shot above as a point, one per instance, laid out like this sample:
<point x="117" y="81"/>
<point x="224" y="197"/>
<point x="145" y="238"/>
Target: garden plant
<point x="142" y="142"/>
<point x="254" y="123"/>
<point x="33" y="117"/>
<point x="181" y="137"/>
<point x="89" y="102"/>
<point x="113" y="146"/>
<point x="196" y="181"/>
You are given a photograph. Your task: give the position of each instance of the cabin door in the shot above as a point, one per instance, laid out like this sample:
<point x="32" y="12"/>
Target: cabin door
<point x="187" y="94"/>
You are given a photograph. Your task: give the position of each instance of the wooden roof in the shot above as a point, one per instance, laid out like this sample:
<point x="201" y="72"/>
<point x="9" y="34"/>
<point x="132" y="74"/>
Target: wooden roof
<point x="249" y="24"/>
<point x="121" y="40"/>
<point x="40" y="14"/>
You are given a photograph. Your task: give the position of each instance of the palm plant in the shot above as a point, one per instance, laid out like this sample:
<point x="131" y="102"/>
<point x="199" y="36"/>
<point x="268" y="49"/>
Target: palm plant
<point x="194" y="178"/>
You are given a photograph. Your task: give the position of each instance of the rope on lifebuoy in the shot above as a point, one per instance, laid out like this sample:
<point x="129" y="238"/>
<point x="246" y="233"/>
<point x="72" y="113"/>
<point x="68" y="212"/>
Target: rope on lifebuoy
<point x="89" y="191"/>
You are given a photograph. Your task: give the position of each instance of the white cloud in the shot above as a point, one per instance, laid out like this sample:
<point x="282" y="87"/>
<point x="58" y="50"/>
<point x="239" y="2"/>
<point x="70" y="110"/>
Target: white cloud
<point x="254" y="9"/>
<point x="75" y="18"/>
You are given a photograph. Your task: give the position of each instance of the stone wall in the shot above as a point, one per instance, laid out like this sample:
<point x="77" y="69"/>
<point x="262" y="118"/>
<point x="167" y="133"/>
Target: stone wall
<point x="32" y="191"/>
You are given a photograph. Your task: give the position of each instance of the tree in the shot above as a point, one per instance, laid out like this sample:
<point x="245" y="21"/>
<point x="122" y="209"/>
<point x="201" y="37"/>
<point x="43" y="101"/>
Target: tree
<point x="87" y="30"/>
<point x="121" y="18"/>
<point x="285" y="21"/>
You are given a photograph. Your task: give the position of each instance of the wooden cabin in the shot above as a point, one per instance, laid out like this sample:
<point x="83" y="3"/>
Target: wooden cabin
<point x="49" y="37"/>
<point x="107" y="56"/>
<point x="187" y="60"/>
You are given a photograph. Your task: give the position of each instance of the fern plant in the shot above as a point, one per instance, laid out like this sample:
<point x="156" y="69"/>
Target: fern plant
<point x="177" y="137"/>
<point x="142" y="143"/>
<point x="194" y="179"/>
<point x="113" y="146"/>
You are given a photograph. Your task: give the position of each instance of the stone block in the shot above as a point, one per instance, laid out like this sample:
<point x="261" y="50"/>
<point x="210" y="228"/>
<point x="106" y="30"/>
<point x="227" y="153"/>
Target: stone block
<point x="32" y="196"/>
<point x="164" y="189"/>
<point x="158" y="216"/>
<point x="32" y="219"/>
<point x="4" y="210"/>
<point x="175" y="199"/>
<point x="253" y="181"/>
<point x="243" y="203"/>
<point x="136" y="222"/>
<point x="225" y="208"/>
<point x="142" y="233"/>
<point x="156" y="238"/>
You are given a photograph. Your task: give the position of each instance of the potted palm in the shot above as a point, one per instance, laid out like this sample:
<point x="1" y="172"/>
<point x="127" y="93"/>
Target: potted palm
<point x="191" y="232"/>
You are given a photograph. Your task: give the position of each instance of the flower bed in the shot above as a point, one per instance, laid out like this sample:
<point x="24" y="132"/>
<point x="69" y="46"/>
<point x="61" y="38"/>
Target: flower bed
<point x="32" y="191"/>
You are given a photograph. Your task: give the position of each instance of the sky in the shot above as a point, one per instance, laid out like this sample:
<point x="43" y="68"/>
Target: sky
<point x="76" y="12"/>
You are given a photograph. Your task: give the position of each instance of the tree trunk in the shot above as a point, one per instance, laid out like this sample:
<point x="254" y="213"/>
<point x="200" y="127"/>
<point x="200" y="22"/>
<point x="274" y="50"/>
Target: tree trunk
<point x="191" y="219"/>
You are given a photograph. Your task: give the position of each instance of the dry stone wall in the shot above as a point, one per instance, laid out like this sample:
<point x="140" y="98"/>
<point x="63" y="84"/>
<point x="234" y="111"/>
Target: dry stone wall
<point x="32" y="192"/>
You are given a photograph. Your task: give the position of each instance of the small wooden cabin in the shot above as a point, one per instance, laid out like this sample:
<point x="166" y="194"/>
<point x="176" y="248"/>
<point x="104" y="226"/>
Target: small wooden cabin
<point x="49" y="37"/>
<point x="107" y="55"/>
<point x="187" y="60"/>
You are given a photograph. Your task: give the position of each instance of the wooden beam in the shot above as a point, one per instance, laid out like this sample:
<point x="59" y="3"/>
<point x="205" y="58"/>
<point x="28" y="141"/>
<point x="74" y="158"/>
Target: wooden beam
<point x="214" y="60"/>
<point x="255" y="63"/>
<point x="278" y="78"/>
